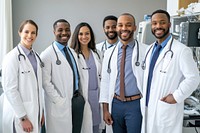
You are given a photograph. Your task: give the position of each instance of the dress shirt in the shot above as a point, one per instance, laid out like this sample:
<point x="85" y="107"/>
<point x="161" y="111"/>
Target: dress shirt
<point x="130" y="79"/>
<point x="31" y="56"/>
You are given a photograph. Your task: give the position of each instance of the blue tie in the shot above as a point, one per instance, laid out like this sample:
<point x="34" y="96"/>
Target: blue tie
<point x="152" y="64"/>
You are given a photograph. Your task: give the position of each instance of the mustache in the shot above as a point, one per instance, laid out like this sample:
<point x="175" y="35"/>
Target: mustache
<point x="67" y="35"/>
<point x="159" y="29"/>
<point x="111" y="32"/>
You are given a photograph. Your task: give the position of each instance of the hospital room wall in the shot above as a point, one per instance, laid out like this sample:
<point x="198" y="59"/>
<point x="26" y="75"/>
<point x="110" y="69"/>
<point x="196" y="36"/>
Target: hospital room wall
<point x="45" y="12"/>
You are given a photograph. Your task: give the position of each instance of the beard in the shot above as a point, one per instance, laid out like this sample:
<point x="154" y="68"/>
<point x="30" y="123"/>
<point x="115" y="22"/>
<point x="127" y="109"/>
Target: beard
<point x="162" y="36"/>
<point x="127" y="38"/>
<point x="111" y="37"/>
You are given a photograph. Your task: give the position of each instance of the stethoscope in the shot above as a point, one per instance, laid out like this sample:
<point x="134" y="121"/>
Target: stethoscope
<point x="20" y="54"/>
<point x="58" y="61"/>
<point x="137" y="63"/>
<point x="168" y="51"/>
<point x="104" y="46"/>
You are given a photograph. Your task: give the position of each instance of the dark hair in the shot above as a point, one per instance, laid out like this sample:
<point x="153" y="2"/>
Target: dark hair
<point x="128" y="14"/>
<point x="110" y="17"/>
<point x="58" y="21"/>
<point x="161" y="11"/>
<point x="21" y="27"/>
<point x="75" y="44"/>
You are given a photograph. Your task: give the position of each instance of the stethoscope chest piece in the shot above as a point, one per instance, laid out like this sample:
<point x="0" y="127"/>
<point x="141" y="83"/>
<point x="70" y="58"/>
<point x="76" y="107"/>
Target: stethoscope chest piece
<point x="58" y="62"/>
<point x="137" y="63"/>
<point x="108" y="70"/>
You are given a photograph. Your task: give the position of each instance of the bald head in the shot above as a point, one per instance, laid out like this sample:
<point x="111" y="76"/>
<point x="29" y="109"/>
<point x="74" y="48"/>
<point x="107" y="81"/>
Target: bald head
<point x="128" y="15"/>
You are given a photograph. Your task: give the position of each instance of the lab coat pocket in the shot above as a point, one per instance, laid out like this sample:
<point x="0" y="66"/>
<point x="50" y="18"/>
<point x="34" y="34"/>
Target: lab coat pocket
<point x="166" y="114"/>
<point x="61" y="109"/>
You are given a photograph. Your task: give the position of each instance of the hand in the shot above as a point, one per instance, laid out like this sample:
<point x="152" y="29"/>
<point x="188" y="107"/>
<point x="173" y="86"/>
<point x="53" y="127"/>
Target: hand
<point x="27" y="125"/>
<point x="169" y="99"/>
<point x="106" y="115"/>
<point x="107" y="118"/>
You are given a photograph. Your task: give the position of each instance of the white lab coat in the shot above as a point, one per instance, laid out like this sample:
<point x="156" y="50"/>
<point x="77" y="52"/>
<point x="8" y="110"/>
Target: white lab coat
<point x="102" y="46"/>
<point x="84" y="83"/>
<point x="108" y="81"/>
<point x="181" y="79"/>
<point x="58" y="86"/>
<point x="22" y="92"/>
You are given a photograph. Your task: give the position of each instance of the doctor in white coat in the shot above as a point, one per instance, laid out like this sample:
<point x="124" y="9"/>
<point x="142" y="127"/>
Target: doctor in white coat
<point x="175" y="77"/>
<point x="58" y="82"/>
<point x="109" y="28"/>
<point x="22" y="84"/>
<point x="125" y="27"/>
<point x="89" y="62"/>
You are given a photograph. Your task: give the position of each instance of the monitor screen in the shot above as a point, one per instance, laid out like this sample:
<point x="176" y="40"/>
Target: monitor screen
<point x="193" y="34"/>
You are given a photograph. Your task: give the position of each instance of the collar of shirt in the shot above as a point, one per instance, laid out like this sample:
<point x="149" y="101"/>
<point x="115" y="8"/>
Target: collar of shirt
<point x="110" y="45"/>
<point x="164" y="43"/>
<point x="130" y="44"/>
<point x="26" y="51"/>
<point x="59" y="45"/>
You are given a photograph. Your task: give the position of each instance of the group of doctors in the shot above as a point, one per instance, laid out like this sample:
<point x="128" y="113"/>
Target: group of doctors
<point x="154" y="87"/>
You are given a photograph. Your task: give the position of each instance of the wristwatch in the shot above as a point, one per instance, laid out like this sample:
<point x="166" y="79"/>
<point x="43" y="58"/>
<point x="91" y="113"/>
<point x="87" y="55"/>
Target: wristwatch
<point x="23" y="118"/>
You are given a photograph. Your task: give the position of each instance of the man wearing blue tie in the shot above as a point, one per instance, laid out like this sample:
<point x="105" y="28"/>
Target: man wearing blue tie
<point x="170" y="76"/>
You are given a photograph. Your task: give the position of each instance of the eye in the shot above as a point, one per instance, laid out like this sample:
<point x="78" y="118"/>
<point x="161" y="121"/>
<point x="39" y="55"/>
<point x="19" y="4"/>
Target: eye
<point x="33" y="32"/>
<point x="80" y="34"/>
<point x="88" y="33"/>
<point x="67" y="30"/>
<point x="60" y="30"/>
<point x="119" y="25"/>
<point x="114" y="26"/>
<point x="107" y="27"/>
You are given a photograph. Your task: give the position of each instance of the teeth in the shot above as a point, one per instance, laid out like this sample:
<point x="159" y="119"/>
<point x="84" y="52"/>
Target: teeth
<point x="64" y="37"/>
<point x="29" y="40"/>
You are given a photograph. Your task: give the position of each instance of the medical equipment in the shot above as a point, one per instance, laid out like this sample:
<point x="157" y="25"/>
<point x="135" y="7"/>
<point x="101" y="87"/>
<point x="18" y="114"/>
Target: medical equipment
<point x="168" y="51"/>
<point x="104" y="46"/>
<point x="144" y="33"/>
<point x="137" y="63"/>
<point x="58" y="62"/>
<point x="20" y="54"/>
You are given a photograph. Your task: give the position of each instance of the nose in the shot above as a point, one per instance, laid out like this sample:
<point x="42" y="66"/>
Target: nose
<point x="64" y="32"/>
<point x="29" y="34"/>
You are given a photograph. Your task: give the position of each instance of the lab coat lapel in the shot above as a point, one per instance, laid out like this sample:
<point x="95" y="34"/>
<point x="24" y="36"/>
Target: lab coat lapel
<point x="165" y="49"/>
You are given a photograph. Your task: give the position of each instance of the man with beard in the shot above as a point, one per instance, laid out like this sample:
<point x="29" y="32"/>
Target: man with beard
<point x="60" y="80"/>
<point x="170" y="76"/>
<point x="121" y="86"/>
<point x="109" y="27"/>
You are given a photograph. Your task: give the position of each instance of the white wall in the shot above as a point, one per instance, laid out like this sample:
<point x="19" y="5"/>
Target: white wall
<point x="45" y="12"/>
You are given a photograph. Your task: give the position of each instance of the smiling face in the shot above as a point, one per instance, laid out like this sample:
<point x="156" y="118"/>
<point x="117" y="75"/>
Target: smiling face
<point x="28" y="35"/>
<point x="126" y="28"/>
<point x="62" y="32"/>
<point x="84" y="36"/>
<point x="110" y="29"/>
<point x="160" y="26"/>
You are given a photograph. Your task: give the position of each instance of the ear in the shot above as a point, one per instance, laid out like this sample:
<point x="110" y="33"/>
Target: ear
<point x="19" y="33"/>
<point x="135" y="27"/>
<point x="170" y="24"/>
